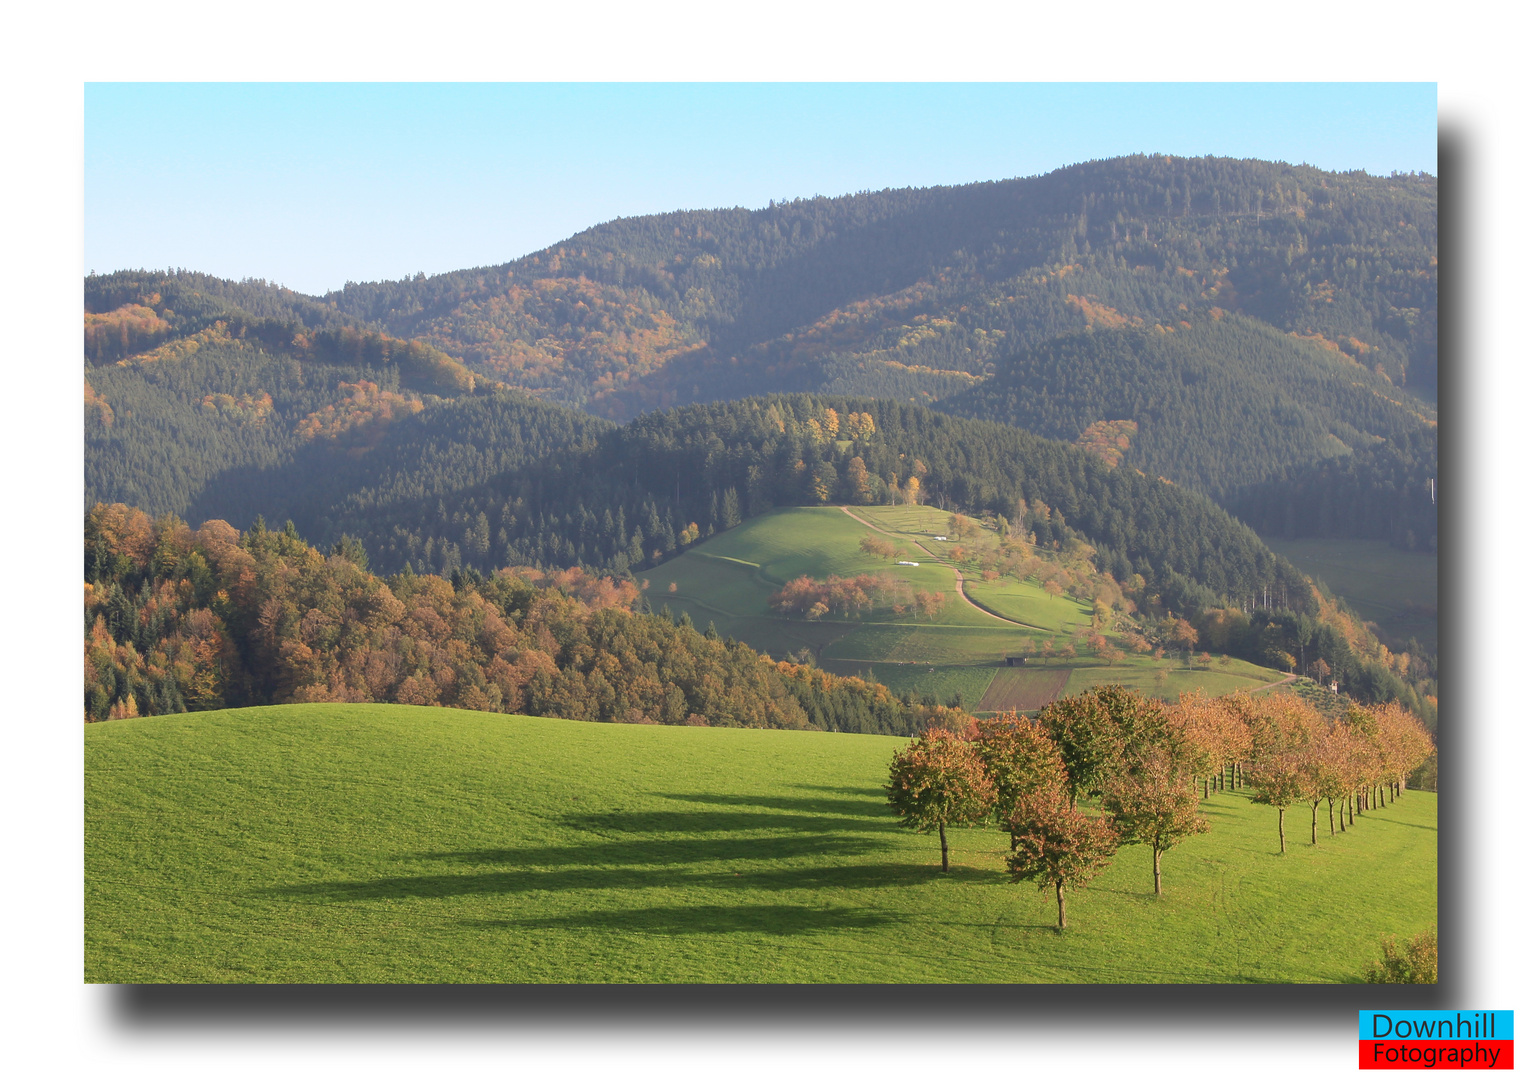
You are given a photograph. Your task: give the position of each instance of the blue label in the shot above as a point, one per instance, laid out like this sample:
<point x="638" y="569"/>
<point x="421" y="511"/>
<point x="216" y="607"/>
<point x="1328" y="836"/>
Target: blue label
<point x="1410" y="1025"/>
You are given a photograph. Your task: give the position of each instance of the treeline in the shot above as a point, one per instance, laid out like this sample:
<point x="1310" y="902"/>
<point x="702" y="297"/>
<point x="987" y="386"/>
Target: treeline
<point x="1148" y="764"/>
<point x="179" y="619"/>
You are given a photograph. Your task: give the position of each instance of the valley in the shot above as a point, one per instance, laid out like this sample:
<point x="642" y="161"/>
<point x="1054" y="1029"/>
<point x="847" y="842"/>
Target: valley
<point x="593" y="617"/>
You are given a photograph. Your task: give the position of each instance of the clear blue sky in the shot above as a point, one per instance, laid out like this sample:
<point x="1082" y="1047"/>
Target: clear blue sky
<point x="311" y="185"/>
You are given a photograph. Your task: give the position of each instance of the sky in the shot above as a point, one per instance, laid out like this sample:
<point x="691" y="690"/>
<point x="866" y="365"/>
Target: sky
<point x="311" y="185"/>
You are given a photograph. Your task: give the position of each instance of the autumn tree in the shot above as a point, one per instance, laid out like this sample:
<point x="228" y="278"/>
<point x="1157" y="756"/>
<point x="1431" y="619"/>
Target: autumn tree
<point x="1099" y="732"/>
<point x="1055" y="845"/>
<point x="1020" y="759"/>
<point x="1335" y="772"/>
<point x="857" y="480"/>
<point x="1280" y="781"/>
<point x="1182" y="635"/>
<point x="1198" y="721"/>
<point x="1406" y="744"/>
<point x="939" y="780"/>
<point x="1154" y="803"/>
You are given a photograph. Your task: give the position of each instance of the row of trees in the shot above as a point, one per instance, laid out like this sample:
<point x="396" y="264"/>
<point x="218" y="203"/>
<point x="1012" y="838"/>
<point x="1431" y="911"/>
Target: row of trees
<point x="1139" y="760"/>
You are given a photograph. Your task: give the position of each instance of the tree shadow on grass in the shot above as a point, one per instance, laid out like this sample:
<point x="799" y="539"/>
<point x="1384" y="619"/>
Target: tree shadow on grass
<point x="1216" y="812"/>
<point x="1392" y="821"/>
<point x="833" y="810"/>
<point x="683" y="851"/>
<point x="611" y="879"/>
<point x="629" y="866"/>
<point x="876" y="793"/>
<point x="713" y="821"/>
<point x="775" y="919"/>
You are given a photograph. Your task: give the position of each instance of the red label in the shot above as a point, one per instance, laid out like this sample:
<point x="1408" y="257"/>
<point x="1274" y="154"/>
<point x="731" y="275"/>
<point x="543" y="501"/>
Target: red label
<point x="1435" y="1054"/>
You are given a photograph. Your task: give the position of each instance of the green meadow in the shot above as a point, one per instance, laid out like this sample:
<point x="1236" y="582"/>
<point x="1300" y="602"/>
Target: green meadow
<point x="387" y="843"/>
<point x="727" y="581"/>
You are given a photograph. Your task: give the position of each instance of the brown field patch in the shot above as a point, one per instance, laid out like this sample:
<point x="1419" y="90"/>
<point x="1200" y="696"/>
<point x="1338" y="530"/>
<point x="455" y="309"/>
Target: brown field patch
<point x="1022" y="689"/>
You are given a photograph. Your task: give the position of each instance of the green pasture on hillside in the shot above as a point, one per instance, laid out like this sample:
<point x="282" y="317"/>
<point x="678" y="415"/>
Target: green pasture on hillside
<point x="385" y="843"/>
<point x="726" y="582"/>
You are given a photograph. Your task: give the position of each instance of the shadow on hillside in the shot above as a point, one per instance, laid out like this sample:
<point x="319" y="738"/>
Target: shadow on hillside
<point x="821" y="808"/>
<point x="877" y="793"/>
<point x="713" y="821"/>
<point x="654" y="853"/>
<point x="634" y="865"/>
<point x="1392" y="821"/>
<point x="777" y="919"/>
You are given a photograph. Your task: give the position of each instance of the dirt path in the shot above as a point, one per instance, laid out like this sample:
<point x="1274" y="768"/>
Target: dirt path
<point x="1285" y="681"/>
<point x="960" y="587"/>
<point x="960" y="579"/>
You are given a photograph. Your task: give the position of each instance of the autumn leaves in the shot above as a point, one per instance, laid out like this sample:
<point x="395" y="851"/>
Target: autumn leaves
<point x="1139" y="761"/>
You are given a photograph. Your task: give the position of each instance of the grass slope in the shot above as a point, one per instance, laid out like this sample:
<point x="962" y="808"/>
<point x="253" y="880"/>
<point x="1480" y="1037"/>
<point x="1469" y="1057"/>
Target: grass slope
<point x="386" y="843"/>
<point x="727" y="580"/>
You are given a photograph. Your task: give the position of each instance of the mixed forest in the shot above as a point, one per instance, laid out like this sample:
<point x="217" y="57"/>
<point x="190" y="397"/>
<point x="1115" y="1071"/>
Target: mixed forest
<point x="449" y="489"/>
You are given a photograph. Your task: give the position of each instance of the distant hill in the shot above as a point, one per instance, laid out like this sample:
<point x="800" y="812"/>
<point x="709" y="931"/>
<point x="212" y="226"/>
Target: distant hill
<point x="941" y="278"/>
<point x="1218" y="404"/>
<point x="1251" y="318"/>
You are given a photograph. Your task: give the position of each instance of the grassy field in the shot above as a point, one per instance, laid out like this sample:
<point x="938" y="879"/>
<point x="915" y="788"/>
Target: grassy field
<point x="1397" y="590"/>
<point x="375" y="843"/>
<point x="727" y="581"/>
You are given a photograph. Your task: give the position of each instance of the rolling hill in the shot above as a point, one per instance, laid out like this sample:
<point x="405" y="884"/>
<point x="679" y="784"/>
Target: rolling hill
<point x="349" y="844"/>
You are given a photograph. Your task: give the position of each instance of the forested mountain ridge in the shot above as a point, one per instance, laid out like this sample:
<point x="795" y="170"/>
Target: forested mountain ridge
<point x="989" y="267"/>
<point x="215" y="399"/>
<point x="1306" y="297"/>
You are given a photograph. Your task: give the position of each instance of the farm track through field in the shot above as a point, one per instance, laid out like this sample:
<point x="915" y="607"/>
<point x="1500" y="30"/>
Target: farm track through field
<point x="960" y="580"/>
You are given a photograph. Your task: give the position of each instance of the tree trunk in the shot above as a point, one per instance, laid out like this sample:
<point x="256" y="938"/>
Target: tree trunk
<point x="1156" y="868"/>
<point x="1206" y="787"/>
<point x="1313" y="808"/>
<point x="944" y="850"/>
<point x="1350" y="811"/>
<point x="1281" y="830"/>
<point x="1331" y="825"/>
<point x="1061" y="905"/>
